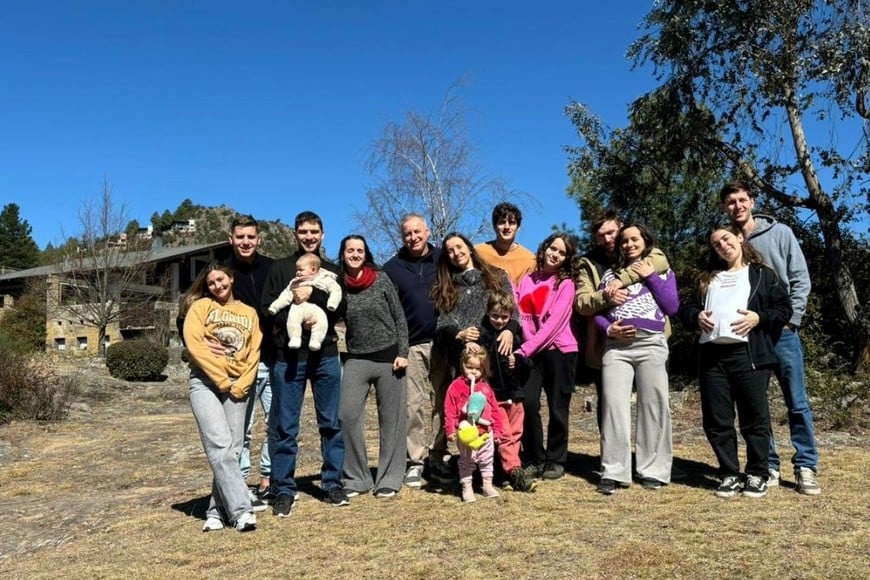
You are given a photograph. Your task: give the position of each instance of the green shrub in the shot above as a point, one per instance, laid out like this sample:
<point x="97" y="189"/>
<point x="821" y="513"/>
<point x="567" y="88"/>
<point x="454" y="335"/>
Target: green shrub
<point x="30" y="390"/>
<point x="23" y="327"/>
<point x="136" y="360"/>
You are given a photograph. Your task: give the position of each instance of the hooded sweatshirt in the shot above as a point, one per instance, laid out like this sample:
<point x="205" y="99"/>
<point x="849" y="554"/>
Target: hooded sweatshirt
<point x="779" y="247"/>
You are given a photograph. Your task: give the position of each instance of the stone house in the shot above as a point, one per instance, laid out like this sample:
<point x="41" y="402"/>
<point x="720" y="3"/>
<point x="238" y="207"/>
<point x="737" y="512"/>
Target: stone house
<point x="148" y="306"/>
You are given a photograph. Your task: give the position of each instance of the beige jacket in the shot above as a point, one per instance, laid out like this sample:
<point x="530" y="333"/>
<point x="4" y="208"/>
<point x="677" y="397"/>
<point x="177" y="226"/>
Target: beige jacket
<point x="589" y="301"/>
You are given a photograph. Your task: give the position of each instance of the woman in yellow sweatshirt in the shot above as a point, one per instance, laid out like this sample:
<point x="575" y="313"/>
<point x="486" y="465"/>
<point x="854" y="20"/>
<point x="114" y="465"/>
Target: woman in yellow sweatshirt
<point x="223" y="337"/>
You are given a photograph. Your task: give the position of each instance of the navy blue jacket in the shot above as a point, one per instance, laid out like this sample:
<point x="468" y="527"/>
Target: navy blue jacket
<point x="414" y="278"/>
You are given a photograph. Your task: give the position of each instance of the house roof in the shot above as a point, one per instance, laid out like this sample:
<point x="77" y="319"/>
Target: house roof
<point x="129" y="259"/>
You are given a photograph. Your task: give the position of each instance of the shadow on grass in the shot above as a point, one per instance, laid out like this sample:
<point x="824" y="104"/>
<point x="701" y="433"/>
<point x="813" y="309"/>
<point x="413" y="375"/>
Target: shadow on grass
<point x="694" y="474"/>
<point x="196" y="507"/>
<point x="684" y="471"/>
<point x="193" y="507"/>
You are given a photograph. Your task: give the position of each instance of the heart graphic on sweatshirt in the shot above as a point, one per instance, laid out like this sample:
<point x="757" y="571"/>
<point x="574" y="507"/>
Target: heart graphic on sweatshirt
<point x="533" y="303"/>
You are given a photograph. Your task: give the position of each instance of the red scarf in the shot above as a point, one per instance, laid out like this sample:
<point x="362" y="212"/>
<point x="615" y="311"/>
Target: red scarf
<point x="366" y="278"/>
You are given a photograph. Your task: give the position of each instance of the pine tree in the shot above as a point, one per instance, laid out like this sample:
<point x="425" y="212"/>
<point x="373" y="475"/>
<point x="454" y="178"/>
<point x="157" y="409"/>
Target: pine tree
<point x="17" y="248"/>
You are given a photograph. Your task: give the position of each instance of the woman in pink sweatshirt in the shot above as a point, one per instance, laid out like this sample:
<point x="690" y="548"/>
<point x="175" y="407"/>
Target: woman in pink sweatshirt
<point x="545" y="301"/>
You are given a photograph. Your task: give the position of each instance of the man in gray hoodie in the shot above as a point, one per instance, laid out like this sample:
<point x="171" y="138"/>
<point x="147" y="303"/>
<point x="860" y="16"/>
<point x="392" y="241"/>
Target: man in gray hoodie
<point x="779" y="247"/>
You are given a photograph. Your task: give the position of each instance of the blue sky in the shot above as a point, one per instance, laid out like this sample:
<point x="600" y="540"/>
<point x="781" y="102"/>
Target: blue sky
<point x="268" y="107"/>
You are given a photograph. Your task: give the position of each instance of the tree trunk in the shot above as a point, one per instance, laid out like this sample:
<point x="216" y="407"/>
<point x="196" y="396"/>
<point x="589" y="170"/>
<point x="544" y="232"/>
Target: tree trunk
<point x="830" y="224"/>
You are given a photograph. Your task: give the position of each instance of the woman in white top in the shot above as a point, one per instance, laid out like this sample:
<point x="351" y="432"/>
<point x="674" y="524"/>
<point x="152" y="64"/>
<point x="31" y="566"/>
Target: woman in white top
<point x="740" y="309"/>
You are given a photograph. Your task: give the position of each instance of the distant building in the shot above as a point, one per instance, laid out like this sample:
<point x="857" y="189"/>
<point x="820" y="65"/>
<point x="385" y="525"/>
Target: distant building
<point x="156" y="307"/>
<point x="183" y="227"/>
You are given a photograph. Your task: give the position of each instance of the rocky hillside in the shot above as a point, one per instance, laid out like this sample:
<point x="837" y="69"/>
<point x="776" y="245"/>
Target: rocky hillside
<point x="213" y="223"/>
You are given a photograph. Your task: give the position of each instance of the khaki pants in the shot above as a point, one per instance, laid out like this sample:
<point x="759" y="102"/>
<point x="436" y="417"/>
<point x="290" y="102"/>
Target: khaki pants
<point x="428" y="378"/>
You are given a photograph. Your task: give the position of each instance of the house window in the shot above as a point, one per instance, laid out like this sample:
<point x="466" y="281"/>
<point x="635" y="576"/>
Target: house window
<point x="82" y="342"/>
<point x="60" y="343"/>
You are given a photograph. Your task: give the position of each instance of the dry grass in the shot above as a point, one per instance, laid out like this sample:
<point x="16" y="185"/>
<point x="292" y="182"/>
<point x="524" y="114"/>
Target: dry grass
<point x="119" y="491"/>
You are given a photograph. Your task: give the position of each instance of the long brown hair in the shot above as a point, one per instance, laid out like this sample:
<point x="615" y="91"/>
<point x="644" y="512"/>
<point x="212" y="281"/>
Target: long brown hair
<point x="199" y="288"/>
<point x="570" y="268"/>
<point x="444" y="294"/>
<point x="716" y="264"/>
<point x="649" y="242"/>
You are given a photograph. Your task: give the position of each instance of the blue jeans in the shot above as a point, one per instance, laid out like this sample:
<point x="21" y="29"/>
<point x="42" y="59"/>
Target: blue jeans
<point x="288" y="391"/>
<point x="792" y="380"/>
<point x="261" y="391"/>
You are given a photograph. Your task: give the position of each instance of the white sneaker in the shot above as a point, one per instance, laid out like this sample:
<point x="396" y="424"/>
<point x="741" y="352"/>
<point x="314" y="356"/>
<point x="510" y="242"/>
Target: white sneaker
<point x="247" y="522"/>
<point x="212" y="525"/>
<point x="414" y="476"/>
<point x="773" y="478"/>
<point x="805" y="478"/>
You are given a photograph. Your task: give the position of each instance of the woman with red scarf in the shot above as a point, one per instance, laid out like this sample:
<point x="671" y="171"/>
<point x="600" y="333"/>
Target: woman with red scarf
<point x="377" y="354"/>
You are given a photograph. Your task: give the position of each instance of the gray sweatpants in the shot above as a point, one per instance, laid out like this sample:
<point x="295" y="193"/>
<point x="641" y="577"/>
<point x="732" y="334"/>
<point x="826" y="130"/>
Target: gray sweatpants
<point x="391" y="394"/>
<point x="221" y="422"/>
<point x="641" y="362"/>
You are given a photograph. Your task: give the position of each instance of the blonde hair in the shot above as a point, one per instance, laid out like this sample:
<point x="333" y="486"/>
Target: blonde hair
<point x="481" y="357"/>
<point x="309" y="259"/>
<point x="501" y="301"/>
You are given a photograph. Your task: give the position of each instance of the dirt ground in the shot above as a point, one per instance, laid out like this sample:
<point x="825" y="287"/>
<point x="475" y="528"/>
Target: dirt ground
<point x="129" y="455"/>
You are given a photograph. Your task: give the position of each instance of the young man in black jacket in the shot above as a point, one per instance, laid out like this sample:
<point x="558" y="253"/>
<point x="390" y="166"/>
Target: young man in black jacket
<point x="292" y="368"/>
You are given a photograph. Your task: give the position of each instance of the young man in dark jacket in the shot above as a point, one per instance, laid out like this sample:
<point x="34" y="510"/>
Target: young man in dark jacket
<point x="292" y="368"/>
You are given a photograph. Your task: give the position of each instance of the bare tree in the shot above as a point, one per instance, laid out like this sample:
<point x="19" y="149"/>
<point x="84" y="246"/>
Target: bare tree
<point x="426" y="165"/>
<point x="107" y="277"/>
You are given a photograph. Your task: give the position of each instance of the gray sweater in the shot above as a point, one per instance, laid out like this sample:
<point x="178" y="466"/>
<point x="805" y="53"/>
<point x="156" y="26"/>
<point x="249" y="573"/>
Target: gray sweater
<point x="471" y="305"/>
<point x="779" y="247"/>
<point x="375" y="319"/>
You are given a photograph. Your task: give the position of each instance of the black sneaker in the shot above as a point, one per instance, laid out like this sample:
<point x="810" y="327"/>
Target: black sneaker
<point x="651" y="483"/>
<point x="553" y="471"/>
<point x="533" y="470"/>
<point x="336" y="497"/>
<point x="283" y="506"/>
<point x="519" y="481"/>
<point x="385" y="492"/>
<point x="440" y="472"/>
<point x="257" y="504"/>
<point x="606" y="487"/>
<point x="730" y="486"/>
<point x="755" y="486"/>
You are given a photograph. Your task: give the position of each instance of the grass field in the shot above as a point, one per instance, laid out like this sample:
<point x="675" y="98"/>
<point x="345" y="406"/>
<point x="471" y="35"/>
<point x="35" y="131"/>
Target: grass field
<point x="119" y="491"/>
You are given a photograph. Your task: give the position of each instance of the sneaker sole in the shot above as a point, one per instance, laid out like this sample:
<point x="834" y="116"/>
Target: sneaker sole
<point x="726" y="494"/>
<point x="815" y="491"/>
<point x="755" y="494"/>
<point x="416" y="483"/>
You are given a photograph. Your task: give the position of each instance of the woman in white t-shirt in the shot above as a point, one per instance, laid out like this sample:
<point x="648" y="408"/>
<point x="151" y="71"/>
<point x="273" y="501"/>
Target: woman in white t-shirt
<point x="740" y="309"/>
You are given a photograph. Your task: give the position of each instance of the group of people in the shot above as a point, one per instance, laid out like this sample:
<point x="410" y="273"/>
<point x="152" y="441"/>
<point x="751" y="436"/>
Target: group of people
<point x="466" y="338"/>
